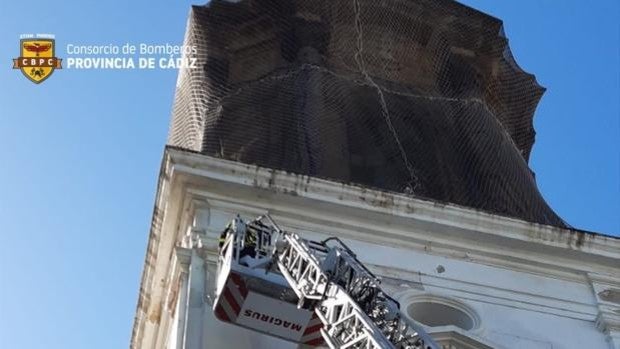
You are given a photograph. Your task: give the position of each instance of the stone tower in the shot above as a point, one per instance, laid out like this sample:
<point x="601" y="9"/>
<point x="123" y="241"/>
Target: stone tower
<point x="402" y="127"/>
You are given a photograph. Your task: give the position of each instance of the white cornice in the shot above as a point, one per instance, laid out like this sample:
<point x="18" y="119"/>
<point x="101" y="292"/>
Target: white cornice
<point x="403" y="210"/>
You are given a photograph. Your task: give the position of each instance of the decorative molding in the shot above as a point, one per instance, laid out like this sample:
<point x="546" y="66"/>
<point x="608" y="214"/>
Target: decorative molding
<point x="399" y="206"/>
<point x="607" y="293"/>
<point x="452" y="337"/>
<point x="408" y="298"/>
<point x="289" y="213"/>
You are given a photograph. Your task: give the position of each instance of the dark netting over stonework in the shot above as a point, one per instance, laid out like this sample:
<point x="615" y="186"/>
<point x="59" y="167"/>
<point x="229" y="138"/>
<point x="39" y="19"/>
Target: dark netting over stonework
<point x="415" y="96"/>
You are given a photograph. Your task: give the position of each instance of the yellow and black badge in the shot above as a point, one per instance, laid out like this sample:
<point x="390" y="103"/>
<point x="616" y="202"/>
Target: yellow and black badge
<point x="37" y="61"/>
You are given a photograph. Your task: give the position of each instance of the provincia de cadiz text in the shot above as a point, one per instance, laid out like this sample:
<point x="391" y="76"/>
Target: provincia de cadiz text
<point x="130" y="56"/>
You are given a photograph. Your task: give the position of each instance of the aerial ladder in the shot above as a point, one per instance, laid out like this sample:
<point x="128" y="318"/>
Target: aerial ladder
<point x="308" y="292"/>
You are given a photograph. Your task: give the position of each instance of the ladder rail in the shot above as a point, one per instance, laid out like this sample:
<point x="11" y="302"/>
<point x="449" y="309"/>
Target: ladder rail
<point x="346" y="322"/>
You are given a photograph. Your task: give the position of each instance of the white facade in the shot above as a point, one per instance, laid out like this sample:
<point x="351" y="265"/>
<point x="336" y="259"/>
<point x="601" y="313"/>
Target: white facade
<point x="507" y="283"/>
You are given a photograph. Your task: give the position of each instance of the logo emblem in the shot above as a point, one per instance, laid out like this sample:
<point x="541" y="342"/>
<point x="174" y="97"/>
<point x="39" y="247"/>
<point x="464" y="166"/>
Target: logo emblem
<point x="37" y="61"/>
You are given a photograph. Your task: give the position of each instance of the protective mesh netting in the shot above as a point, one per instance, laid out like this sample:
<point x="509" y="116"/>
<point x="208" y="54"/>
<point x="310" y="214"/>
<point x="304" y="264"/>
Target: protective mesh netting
<point x="415" y="96"/>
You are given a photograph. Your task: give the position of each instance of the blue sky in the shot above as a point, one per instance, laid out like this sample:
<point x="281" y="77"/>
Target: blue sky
<point x="81" y="153"/>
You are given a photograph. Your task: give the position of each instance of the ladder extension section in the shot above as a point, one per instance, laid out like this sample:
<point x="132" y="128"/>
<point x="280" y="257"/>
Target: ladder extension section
<point x="328" y="278"/>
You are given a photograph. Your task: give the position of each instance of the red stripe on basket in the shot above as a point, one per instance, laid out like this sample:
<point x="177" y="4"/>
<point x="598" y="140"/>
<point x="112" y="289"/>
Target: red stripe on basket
<point x="231" y="301"/>
<point x="221" y="314"/>
<point x="315" y="341"/>
<point x="312" y="329"/>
